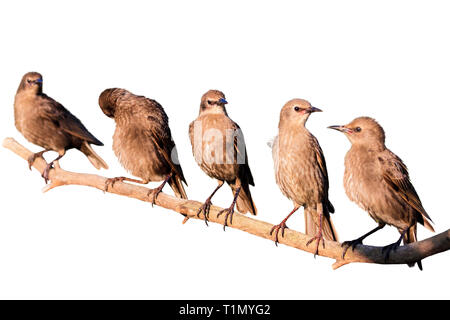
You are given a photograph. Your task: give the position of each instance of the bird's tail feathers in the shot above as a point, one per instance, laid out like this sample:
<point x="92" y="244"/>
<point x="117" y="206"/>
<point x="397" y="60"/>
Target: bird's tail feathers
<point x="244" y="201"/>
<point x="410" y="237"/>
<point x="176" y="184"/>
<point x="312" y="226"/>
<point x="428" y="225"/>
<point x="93" y="157"/>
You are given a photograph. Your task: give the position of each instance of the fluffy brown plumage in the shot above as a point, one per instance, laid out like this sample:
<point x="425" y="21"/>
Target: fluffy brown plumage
<point x="378" y="181"/>
<point x="219" y="149"/>
<point x="142" y="140"/>
<point x="45" y="122"/>
<point x="301" y="172"/>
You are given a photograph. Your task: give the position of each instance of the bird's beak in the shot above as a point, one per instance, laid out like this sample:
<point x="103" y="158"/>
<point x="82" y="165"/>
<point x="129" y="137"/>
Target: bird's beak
<point x="340" y="128"/>
<point x="223" y="101"/>
<point x="38" y="81"/>
<point x="314" y="109"/>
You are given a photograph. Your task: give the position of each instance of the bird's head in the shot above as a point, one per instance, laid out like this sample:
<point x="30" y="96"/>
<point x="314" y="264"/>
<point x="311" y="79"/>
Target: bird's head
<point x="31" y="82"/>
<point x="363" y="131"/>
<point x="108" y="100"/>
<point x="213" y="101"/>
<point x="297" y="111"/>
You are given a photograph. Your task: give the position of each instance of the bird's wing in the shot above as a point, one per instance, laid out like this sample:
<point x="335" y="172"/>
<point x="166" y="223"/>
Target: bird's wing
<point x="162" y="137"/>
<point x="395" y="174"/>
<point x="66" y="121"/>
<point x="323" y="168"/>
<point x="245" y="173"/>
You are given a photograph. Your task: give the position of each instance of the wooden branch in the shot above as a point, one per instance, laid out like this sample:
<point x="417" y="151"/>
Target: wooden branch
<point x="188" y="208"/>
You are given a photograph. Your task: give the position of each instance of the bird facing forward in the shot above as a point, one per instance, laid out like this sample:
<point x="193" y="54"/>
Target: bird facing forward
<point x="219" y="149"/>
<point x="46" y="123"/>
<point x="378" y="181"/>
<point x="301" y="172"/>
<point x="142" y="140"/>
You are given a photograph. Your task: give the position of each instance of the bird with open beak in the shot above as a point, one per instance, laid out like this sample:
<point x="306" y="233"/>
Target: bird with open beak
<point x="301" y="172"/>
<point x="219" y="149"/>
<point x="46" y="123"/>
<point x="378" y="181"/>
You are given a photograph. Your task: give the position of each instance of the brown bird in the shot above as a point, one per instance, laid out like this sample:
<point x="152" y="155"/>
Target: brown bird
<point x="378" y="181"/>
<point x="142" y="140"/>
<point x="46" y="123"/>
<point x="301" y="172"/>
<point x="219" y="149"/>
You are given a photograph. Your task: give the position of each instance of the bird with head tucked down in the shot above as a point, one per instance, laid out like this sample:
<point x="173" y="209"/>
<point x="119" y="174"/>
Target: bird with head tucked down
<point x="143" y="141"/>
<point x="378" y="181"/>
<point x="46" y="123"/>
<point x="301" y="172"/>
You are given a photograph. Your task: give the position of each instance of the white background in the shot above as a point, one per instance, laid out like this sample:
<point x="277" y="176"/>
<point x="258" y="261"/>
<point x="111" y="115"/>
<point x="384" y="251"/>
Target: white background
<point x="388" y="60"/>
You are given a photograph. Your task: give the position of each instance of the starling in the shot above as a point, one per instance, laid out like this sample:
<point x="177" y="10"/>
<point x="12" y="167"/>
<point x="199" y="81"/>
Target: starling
<point x="378" y="181"/>
<point x="142" y="140"/>
<point x="46" y="123"/>
<point x="301" y="172"/>
<point x="219" y="149"/>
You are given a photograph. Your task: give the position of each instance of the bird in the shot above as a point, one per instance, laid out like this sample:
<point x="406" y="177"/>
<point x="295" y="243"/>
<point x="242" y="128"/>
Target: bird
<point x="301" y="172"/>
<point x="378" y="181"/>
<point x="47" y="123"/>
<point x="142" y="141"/>
<point x="219" y="149"/>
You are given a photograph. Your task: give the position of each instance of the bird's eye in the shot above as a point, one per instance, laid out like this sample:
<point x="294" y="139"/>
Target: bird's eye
<point x="297" y="108"/>
<point x="29" y="81"/>
<point x="357" y="129"/>
<point x="209" y="102"/>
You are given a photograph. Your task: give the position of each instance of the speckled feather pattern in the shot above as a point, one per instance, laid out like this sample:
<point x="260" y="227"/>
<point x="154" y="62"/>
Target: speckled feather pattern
<point x="297" y="172"/>
<point x="300" y="168"/>
<point x="378" y="181"/>
<point x="47" y="123"/>
<point x="217" y="133"/>
<point x="142" y="139"/>
<point x="209" y="123"/>
<point x="365" y="184"/>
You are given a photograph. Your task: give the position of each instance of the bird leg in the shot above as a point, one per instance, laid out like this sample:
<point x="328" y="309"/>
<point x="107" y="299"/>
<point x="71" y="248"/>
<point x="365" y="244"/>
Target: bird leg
<point x="111" y="181"/>
<point x="33" y="157"/>
<point x="282" y="226"/>
<point x="207" y="205"/>
<point x="49" y="166"/>
<point x="318" y="237"/>
<point x="230" y="211"/>
<point x="393" y="246"/>
<point x="354" y="243"/>
<point x="158" y="190"/>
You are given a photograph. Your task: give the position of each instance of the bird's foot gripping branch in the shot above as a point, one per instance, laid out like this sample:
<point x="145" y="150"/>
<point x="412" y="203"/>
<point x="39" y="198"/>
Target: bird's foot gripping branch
<point x="188" y="208"/>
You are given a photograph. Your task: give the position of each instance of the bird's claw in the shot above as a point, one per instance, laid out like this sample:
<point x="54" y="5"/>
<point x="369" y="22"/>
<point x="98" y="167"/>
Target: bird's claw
<point x="205" y="208"/>
<point x="317" y="238"/>
<point x="277" y="227"/>
<point x="386" y="250"/>
<point x="155" y="193"/>
<point x="111" y="181"/>
<point x="229" y="213"/>
<point x="31" y="160"/>
<point x="46" y="172"/>
<point x="352" y="243"/>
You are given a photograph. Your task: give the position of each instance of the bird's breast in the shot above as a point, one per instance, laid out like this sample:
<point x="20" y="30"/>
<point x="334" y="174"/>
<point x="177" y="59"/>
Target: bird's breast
<point x="213" y="145"/>
<point x="297" y="172"/>
<point x="138" y="154"/>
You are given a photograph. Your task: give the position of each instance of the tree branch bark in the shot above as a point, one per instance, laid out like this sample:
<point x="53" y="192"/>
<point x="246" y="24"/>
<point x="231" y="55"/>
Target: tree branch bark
<point x="363" y="253"/>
